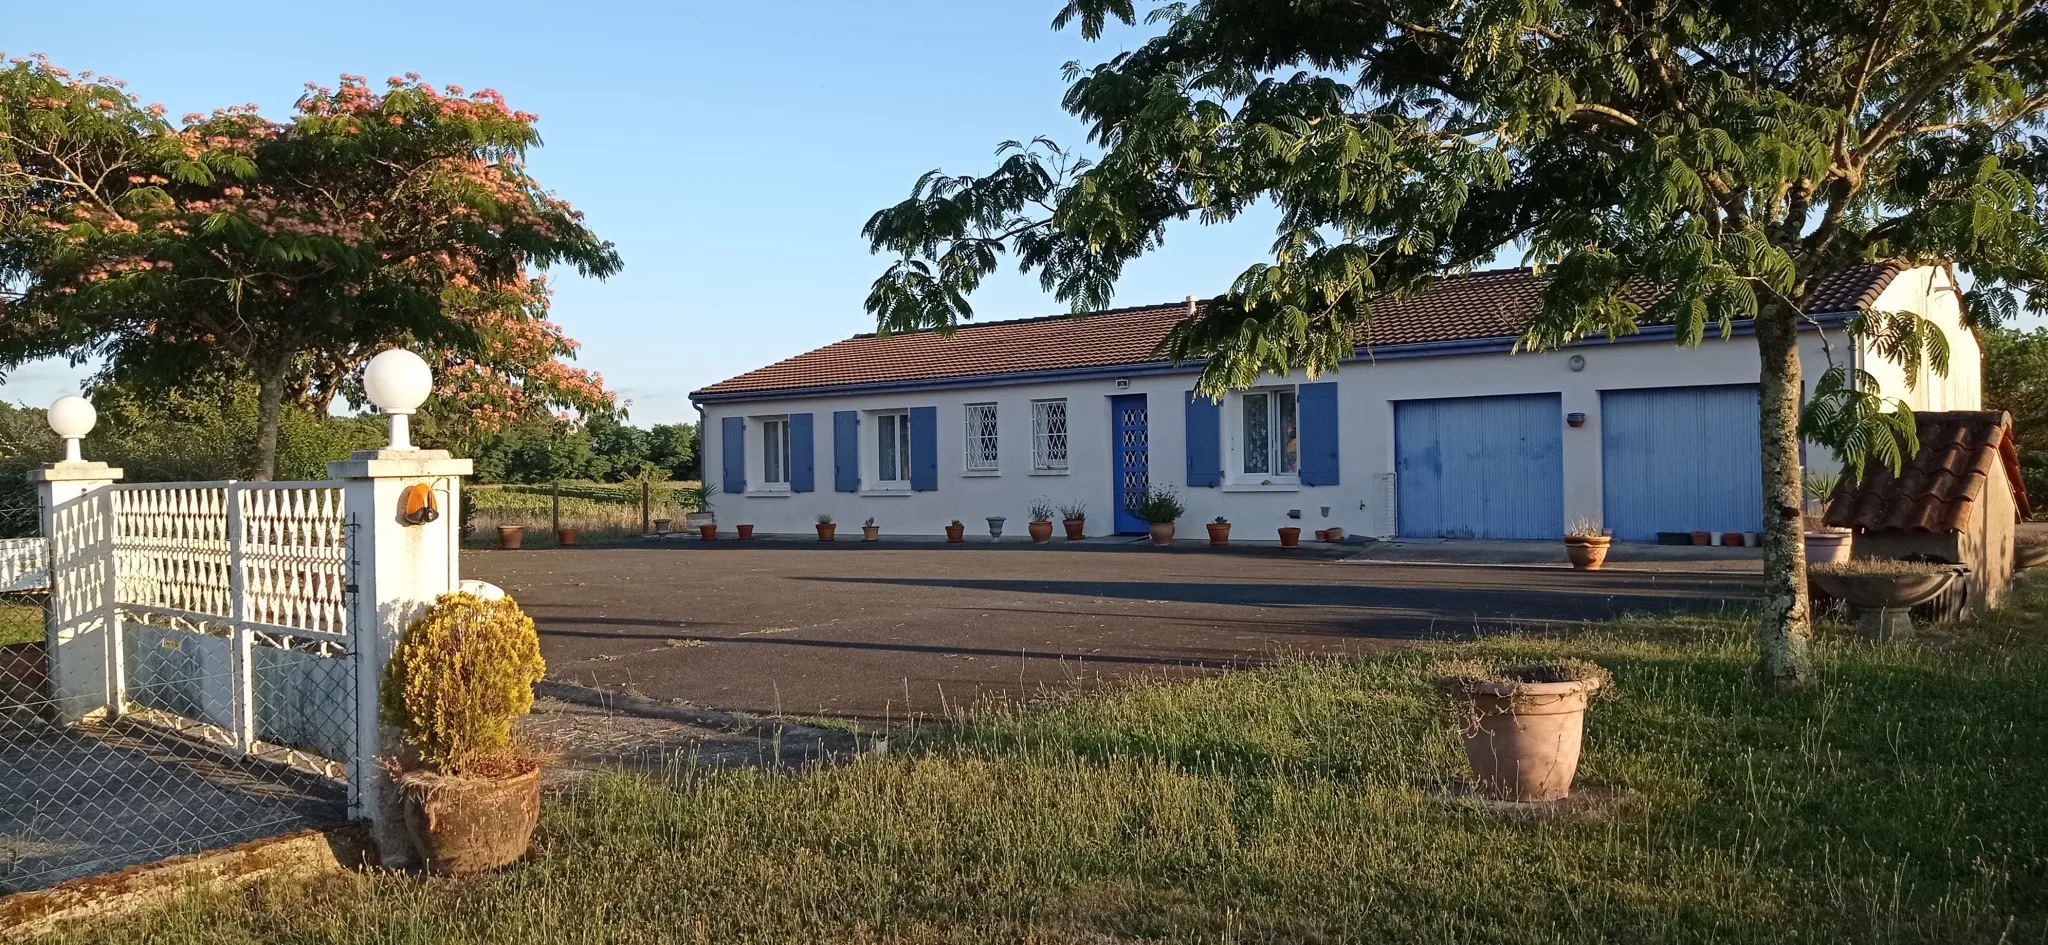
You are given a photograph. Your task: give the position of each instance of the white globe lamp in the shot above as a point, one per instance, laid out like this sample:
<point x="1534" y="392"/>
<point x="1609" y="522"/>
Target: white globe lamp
<point x="72" y="417"/>
<point x="398" y="382"/>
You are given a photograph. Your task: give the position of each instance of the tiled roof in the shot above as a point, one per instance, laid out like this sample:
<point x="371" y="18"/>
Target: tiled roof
<point x="1942" y="487"/>
<point x="1480" y="305"/>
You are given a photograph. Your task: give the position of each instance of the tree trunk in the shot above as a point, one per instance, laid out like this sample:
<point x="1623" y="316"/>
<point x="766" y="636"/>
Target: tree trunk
<point x="1785" y="636"/>
<point x="270" y="383"/>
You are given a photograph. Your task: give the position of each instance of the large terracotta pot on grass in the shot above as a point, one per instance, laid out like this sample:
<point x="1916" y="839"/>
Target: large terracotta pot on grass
<point x="1587" y="552"/>
<point x="1882" y="602"/>
<point x="1522" y="739"/>
<point x="1041" y="532"/>
<point x="1827" y="547"/>
<point x="511" y="537"/>
<point x="1075" y="528"/>
<point x="1162" y="532"/>
<point x="463" y="825"/>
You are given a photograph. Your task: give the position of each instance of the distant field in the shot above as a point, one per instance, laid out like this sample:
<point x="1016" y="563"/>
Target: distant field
<point x="599" y="511"/>
<point x="19" y="622"/>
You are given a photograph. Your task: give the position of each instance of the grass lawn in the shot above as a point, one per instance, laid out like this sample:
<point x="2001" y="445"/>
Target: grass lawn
<point x="20" y="622"/>
<point x="1900" y="799"/>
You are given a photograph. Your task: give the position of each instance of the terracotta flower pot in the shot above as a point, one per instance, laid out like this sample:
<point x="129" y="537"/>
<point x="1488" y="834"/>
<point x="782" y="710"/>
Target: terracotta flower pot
<point x="1587" y="552"/>
<point x="1322" y="534"/>
<point x="1334" y="533"/>
<point x="871" y="533"/>
<point x="1522" y="739"/>
<point x="1041" y="532"/>
<point x="956" y="533"/>
<point x="828" y="531"/>
<point x="511" y="537"/>
<point x="708" y="532"/>
<point x="746" y="532"/>
<point x="1290" y="537"/>
<point x="1702" y="538"/>
<point x="1162" y="532"/>
<point x="566" y="536"/>
<point x="1827" y="547"/>
<point x="1075" y="528"/>
<point x="464" y="825"/>
<point x="1731" y="539"/>
<point x="1219" y="534"/>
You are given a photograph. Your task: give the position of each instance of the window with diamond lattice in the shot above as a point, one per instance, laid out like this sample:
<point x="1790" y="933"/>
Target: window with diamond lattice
<point x="1048" y="434"/>
<point x="981" y="438"/>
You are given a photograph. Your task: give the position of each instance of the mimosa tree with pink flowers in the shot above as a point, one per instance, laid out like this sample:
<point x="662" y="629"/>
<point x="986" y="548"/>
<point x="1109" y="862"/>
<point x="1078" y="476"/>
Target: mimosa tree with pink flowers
<point x="290" y="250"/>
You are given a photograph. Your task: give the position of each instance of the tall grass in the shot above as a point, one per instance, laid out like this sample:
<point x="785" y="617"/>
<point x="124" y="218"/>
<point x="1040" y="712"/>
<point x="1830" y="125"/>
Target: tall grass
<point x="599" y="512"/>
<point x="1898" y="799"/>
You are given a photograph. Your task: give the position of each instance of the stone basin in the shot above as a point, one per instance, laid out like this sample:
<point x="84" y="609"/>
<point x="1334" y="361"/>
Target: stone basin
<point x="1884" y="591"/>
<point x="2030" y="555"/>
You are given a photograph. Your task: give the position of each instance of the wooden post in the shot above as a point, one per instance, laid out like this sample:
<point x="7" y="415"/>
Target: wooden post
<point x="558" y="507"/>
<point x="646" y="507"/>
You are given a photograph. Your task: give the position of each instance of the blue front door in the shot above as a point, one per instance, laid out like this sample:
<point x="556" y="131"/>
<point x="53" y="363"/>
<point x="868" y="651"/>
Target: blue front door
<point x="1133" y="465"/>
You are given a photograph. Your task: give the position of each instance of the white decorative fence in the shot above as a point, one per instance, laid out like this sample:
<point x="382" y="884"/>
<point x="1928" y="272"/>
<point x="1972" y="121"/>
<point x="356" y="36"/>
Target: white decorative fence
<point x="24" y="564"/>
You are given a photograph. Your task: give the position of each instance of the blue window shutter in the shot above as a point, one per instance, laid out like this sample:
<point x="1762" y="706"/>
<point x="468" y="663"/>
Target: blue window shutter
<point x="1318" y="406"/>
<point x="1205" y="442"/>
<point x="803" y="476"/>
<point x="924" y="449"/>
<point x="845" y="451"/>
<point x="733" y="451"/>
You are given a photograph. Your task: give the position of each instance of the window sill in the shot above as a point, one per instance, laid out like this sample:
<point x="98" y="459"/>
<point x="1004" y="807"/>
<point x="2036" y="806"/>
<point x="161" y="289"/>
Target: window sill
<point x="766" y="492"/>
<point x="1262" y="487"/>
<point x="1051" y="472"/>
<point x="981" y="473"/>
<point x="884" y="492"/>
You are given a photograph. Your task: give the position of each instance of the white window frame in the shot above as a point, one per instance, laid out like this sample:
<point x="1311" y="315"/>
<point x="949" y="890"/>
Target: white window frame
<point x="774" y="439"/>
<point x="871" y="458"/>
<point x="983" y="453"/>
<point x="1050" y="448"/>
<point x="1274" y="452"/>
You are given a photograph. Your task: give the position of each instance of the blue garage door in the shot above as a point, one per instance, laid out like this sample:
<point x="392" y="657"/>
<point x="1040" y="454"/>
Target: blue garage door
<point x="1680" y="459"/>
<point x="1480" y="467"/>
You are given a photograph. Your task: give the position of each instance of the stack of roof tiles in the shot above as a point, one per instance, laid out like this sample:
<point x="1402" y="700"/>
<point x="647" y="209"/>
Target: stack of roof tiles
<point x="1943" y="486"/>
<point x="1480" y="305"/>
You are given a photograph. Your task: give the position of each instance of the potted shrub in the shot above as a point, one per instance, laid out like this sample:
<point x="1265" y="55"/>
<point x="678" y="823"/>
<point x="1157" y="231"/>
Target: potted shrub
<point x="956" y="531"/>
<point x="1075" y="518"/>
<point x="869" y="531"/>
<point x="1290" y="536"/>
<point x="1219" y="532"/>
<point x="1159" y="508"/>
<point x="1522" y="725"/>
<point x="459" y="678"/>
<point x="1825" y="544"/>
<point x="1041" y="520"/>
<point x="827" y="530"/>
<point x="746" y="531"/>
<point x="565" y="536"/>
<point x="511" y="537"/>
<point x="1881" y="592"/>
<point x="995" y="527"/>
<point x="1586" y="545"/>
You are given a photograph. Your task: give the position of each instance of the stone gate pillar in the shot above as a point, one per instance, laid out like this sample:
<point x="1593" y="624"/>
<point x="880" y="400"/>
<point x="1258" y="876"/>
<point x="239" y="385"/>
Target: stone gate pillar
<point x="81" y="631"/>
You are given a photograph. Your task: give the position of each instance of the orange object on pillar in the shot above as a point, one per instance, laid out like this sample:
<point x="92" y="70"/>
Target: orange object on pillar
<point x="418" y="506"/>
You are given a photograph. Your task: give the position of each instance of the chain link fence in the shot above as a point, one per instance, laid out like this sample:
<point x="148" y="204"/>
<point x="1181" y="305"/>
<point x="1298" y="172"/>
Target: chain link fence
<point x="164" y="772"/>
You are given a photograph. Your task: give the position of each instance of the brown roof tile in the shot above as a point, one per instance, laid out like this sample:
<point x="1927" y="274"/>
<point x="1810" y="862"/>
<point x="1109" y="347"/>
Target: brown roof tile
<point x="1480" y="305"/>
<point x="1940" y="489"/>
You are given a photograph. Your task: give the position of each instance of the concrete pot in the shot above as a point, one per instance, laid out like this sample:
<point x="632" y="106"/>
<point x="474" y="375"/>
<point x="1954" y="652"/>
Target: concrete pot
<point x="828" y="531"/>
<point x="1827" y="547"/>
<point x="871" y="533"/>
<point x="1075" y="528"/>
<point x="1041" y="532"/>
<point x="1882" y="602"/>
<point x="1587" y="552"/>
<point x="565" y="536"/>
<point x="1290" y="537"/>
<point x="746" y="532"/>
<point x="2029" y="556"/>
<point x="511" y="537"/>
<point x="1162" y="532"/>
<point x="956" y="533"/>
<point x="464" y="825"/>
<point x="1522" y="739"/>
<point x="1219" y="534"/>
<point x="661" y="526"/>
<point x="995" y="526"/>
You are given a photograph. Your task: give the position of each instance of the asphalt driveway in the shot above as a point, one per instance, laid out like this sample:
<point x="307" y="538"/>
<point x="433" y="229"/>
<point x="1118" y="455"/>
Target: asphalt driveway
<point x="882" y="633"/>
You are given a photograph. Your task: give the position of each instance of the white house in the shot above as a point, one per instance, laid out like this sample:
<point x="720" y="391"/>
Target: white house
<point x="1434" y="429"/>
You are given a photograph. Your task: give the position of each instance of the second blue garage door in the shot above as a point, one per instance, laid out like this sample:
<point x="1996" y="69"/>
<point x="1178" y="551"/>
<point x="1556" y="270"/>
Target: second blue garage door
<point x="1680" y="459"/>
<point x="1480" y="467"/>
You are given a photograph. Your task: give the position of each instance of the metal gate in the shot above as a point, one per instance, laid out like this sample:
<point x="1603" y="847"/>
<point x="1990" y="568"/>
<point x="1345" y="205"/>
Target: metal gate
<point x="183" y="677"/>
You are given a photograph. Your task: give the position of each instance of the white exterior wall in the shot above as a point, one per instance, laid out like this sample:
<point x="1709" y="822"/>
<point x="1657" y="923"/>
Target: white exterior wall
<point x="1367" y="389"/>
<point x="1931" y="293"/>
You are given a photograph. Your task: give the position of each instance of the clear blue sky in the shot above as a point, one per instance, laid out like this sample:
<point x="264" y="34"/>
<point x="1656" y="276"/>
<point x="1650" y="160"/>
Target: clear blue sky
<point x="731" y="150"/>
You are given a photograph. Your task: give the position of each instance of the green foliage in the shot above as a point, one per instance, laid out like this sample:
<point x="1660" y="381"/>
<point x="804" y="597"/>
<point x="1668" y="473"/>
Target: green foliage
<point x="461" y="675"/>
<point x="1844" y="416"/>
<point x="603" y="448"/>
<point x="2016" y="381"/>
<point x="1159" y="507"/>
<point x="206" y="429"/>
